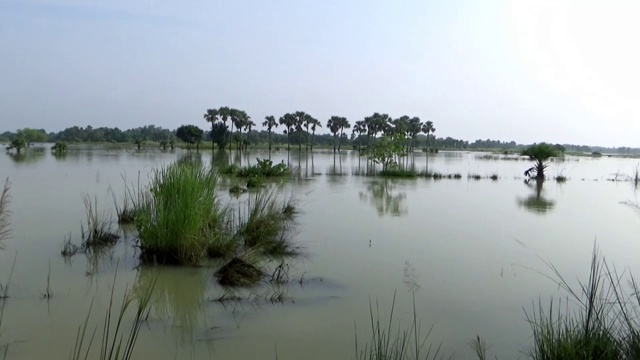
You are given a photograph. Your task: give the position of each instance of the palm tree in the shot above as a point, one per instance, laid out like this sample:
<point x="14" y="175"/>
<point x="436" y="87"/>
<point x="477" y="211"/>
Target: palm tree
<point x="270" y="122"/>
<point x="401" y="125"/>
<point x="300" y="117"/>
<point x="539" y="153"/>
<point x="288" y="120"/>
<point x="333" y="124"/>
<point x="225" y="113"/>
<point x="211" y="116"/>
<point x="236" y="121"/>
<point x="248" y="125"/>
<point x="428" y="128"/>
<point x="242" y="120"/>
<point x="344" y="124"/>
<point x="315" y="123"/>
<point x="415" y="128"/>
<point x="359" y="128"/>
<point x="309" y="121"/>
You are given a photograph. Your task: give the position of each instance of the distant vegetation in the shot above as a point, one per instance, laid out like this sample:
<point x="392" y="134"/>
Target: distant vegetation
<point x="232" y="127"/>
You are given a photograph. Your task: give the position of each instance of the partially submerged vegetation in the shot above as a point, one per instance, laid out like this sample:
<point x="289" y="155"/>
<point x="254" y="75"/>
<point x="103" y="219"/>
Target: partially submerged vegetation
<point x="181" y="218"/>
<point x="540" y="154"/>
<point x="239" y="272"/>
<point x="266" y="224"/>
<point x="99" y="229"/>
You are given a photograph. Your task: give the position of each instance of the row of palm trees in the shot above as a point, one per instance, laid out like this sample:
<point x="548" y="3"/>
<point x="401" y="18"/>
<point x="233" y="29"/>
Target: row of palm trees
<point x="300" y="121"/>
<point x="237" y="118"/>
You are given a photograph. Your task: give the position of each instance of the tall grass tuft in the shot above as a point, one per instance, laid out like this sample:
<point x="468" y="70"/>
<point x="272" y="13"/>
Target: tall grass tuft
<point x="267" y="223"/>
<point x="99" y="228"/>
<point x="181" y="218"/>
<point x="600" y="320"/>
<point x="5" y="221"/>
<point x="113" y="343"/>
<point x="130" y="204"/>
<point x="395" y="343"/>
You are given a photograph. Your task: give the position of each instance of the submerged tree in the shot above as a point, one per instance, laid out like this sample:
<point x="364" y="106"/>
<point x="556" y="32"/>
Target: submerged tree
<point x="219" y="134"/>
<point x="270" y="123"/>
<point x="288" y="120"/>
<point x="211" y="116"/>
<point x="190" y="134"/>
<point x="17" y="144"/>
<point x="539" y="153"/>
<point x="314" y="124"/>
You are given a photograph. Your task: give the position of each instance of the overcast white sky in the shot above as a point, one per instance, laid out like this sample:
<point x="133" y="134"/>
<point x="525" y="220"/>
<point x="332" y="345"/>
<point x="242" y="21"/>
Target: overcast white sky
<point x="524" y="70"/>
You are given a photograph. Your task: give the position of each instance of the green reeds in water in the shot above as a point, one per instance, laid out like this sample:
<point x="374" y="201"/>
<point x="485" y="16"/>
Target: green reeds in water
<point x="5" y="200"/>
<point x="266" y="224"/>
<point x="115" y="343"/>
<point x="601" y="319"/>
<point x="390" y="342"/>
<point x="130" y="204"/>
<point x="99" y="227"/>
<point x="181" y="219"/>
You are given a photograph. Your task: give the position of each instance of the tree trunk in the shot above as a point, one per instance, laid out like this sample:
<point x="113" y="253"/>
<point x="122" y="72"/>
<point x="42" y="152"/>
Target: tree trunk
<point x="335" y="139"/>
<point x="230" y="138"/>
<point x="269" y="144"/>
<point x="340" y="141"/>
<point x="212" y="142"/>
<point x="313" y="138"/>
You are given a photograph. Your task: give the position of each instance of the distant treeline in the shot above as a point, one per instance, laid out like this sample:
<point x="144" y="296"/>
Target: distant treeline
<point x="158" y="134"/>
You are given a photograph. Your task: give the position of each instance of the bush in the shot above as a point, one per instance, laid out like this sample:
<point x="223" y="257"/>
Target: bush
<point x="264" y="168"/>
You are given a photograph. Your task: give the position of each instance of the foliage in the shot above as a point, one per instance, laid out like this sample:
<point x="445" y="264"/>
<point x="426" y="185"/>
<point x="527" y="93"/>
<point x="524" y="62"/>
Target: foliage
<point x="539" y="153"/>
<point x="264" y="168"/>
<point x="219" y="134"/>
<point x="190" y="134"/>
<point x="399" y="173"/>
<point x="59" y="147"/>
<point x="32" y="135"/>
<point x="181" y="218"/>
<point x="254" y="182"/>
<point x="17" y="144"/>
<point x="387" y="150"/>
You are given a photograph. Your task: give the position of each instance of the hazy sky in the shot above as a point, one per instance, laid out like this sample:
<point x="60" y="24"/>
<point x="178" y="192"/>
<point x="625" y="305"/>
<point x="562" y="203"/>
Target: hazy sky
<point x="523" y="70"/>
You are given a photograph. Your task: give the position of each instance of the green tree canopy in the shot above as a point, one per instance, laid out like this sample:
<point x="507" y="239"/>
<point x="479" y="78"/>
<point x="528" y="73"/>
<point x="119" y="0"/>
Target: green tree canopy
<point x="190" y="134"/>
<point x="539" y="153"/>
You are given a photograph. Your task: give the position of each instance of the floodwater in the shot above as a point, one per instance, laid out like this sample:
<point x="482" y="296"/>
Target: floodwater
<point x="472" y="253"/>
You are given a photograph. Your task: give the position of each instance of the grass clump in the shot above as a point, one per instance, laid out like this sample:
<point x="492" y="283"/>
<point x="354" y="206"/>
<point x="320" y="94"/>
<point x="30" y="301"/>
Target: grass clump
<point x="231" y="169"/>
<point x="600" y="322"/>
<point x="128" y="211"/>
<point x="476" y="177"/>
<point x="236" y="189"/>
<point x="238" y="272"/>
<point x="494" y="177"/>
<point x="267" y="223"/>
<point x="181" y="218"/>
<point x="99" y="229"/>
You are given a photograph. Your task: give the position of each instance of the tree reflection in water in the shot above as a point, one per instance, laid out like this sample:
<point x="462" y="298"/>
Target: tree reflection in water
<point x="536" y="202"/>
<point x="382" y="194"/>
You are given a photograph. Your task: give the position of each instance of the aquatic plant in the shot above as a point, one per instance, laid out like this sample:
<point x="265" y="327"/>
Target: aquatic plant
<point x="394" y="171"/>
<point x="267" y="224"/>
<point x="112" y="342"/>
<point x="472" y="176"/>
<point x="59" y="147"/>
<point x="99" y="229"/>
<point x="494" y="177"/>
<point x="181" y="218"/>
<point x="263" y="168"/>
<point x="560" y="179"/>
<point x="395" y="343"/>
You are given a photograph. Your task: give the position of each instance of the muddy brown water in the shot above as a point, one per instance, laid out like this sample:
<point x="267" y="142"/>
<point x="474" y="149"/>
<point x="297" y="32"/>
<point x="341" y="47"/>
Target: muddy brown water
<point x="470" y="251"/>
